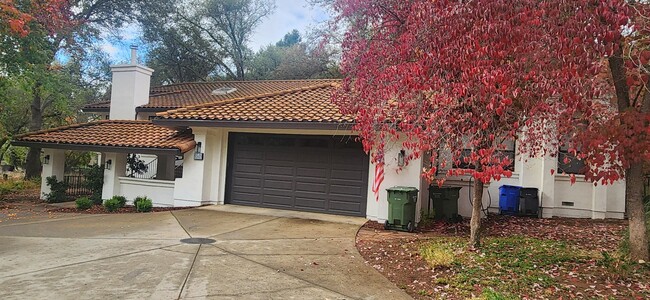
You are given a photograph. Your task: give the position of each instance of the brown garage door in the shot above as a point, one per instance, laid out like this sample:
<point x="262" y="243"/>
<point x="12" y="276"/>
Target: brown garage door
<point x="327" y="174"/>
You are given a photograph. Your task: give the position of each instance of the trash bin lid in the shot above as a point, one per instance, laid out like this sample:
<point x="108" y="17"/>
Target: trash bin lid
<point x="402" y="189"/>
<point x="444" y="187"/>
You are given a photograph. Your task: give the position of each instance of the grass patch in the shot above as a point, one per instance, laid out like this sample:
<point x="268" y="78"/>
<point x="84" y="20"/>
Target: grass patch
<point x="510" y="266"/>
<point x="438" y="254"/>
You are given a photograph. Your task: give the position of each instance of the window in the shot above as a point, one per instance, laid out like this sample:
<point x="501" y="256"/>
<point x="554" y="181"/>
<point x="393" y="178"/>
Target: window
<point x="568" y="163"/>
<point x="508" y="152"/>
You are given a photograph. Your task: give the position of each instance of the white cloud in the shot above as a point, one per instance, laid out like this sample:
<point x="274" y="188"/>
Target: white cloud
<point x="288" y="15"/>
<point x="109" y="48"/>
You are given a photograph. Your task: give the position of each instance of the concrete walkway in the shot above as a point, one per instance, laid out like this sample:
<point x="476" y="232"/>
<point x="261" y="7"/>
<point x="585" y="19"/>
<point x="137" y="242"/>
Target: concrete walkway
<point x="267" y="255"/>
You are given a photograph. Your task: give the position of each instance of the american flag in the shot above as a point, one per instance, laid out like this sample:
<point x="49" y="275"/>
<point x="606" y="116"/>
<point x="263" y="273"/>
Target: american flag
<point x="379" y="178"/>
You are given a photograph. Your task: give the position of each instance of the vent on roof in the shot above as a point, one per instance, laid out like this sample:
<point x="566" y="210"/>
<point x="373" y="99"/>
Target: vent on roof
<point x="224" y="90"/>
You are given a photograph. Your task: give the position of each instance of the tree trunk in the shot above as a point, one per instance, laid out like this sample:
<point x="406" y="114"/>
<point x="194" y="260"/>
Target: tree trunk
<point x="4" y="146"/>
<point x="33" y="159"/>
<point x="633" y="175"/>
<point x="475" y="222"/>
<point x="634" y="198"/>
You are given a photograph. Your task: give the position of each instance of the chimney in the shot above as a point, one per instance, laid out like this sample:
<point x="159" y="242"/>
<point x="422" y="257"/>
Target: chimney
<point x="130" y="88"/>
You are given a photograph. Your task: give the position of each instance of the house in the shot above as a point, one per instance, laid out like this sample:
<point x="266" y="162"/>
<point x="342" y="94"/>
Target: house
<point x="275" y="144"/>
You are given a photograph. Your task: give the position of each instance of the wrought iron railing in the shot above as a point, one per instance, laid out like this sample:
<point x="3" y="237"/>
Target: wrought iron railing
<point x="149" y="171"/>
<point x="75" y="179"/>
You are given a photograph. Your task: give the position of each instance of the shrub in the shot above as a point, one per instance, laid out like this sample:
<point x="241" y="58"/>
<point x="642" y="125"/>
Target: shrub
<point x="138" y="199"/>
<point x="143" y="204"/>
<point x="94" y="181"/>
<point x="121" y="200"/>
<point x="112" y="204"/>
<point x="84" y="203"/>
<point x="57" y="190"/>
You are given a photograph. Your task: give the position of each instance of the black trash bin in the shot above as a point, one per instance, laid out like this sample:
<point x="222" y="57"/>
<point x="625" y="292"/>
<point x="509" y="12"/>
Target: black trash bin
<point x="529" y="202"/>
<point x="445" y="202"/>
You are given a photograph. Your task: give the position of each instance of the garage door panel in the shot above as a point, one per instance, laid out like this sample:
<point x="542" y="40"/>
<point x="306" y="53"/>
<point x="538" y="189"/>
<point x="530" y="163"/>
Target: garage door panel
<point x="318" y="204"/>
<point x="345" y="198"/>
<point x="346" y="190"/>
<point x="277" y="200"/>
<point x="311" y="173"/>
<point x="315" y="187"/>
<point x="311" y="155"/>
<point x="247" y="182"/>
<point x="254" y="154"/>
<point x="249" y="168"/>
<point x="247" y="197"/>
<point x="319" y="173"/>
<point x="344" y="206"/>
<point x="345" y="159"/>
<point x="278" y="170"/>
<point x="278" y="157"/>
<point x="348" y="175"/>
<point x="285" y="185"/>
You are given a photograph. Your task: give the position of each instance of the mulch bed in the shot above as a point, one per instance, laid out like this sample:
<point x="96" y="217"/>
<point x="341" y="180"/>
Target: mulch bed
<point x="397" y="256"/>
<point x="99" y="209"/>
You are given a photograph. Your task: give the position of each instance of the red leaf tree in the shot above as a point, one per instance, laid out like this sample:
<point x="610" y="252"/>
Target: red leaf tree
<point x="16" y="17"/>
<point x="453" y="75"/>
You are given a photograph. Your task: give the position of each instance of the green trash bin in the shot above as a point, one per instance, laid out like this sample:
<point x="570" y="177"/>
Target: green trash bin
<point x="445" y="202"/>
<point x="401" y="208"/>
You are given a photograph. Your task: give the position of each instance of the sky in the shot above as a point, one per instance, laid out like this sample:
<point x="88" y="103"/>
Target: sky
<point x="288" y="15"/>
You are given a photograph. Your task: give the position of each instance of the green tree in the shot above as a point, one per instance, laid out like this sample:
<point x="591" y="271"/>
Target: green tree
<point x="32" y="53"/>
<point x="202" y="40"/>
<point x="291" y="38"/>
<point x="290" y="58"/>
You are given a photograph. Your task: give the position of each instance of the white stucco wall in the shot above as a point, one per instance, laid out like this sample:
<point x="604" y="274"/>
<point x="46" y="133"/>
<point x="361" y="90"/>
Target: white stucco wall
<point x="204" y="181"/>
<point x="161" y="192"/>
<point x="409" y="175"/>
<point x="55" y="167"/>
<point x="111" y="176"/>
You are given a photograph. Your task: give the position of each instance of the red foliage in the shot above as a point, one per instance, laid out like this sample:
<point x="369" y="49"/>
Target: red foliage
<point x="449" y="75"/>
<point x="52" y="15"/>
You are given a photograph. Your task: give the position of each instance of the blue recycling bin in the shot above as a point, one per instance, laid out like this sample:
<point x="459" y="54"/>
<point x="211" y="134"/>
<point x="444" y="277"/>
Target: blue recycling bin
<point x="509" y="199"/>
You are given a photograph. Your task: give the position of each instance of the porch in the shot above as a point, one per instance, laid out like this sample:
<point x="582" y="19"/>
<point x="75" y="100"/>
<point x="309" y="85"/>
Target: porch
<point x="137" y="157"/>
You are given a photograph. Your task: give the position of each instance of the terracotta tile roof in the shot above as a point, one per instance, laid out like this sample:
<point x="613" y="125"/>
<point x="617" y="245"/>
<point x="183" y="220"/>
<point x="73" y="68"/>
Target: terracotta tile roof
<point x="193" y="93"/>
<point x="306" y="104"/>
<point x="111" y="133"/>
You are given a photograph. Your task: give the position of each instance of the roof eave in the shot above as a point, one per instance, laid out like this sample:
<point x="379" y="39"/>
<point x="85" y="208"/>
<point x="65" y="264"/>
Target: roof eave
<point x="254" y="124"/>
<point x="99" y="148"/>
<point x="153" y="109"/>
<point x="95" y="109"/>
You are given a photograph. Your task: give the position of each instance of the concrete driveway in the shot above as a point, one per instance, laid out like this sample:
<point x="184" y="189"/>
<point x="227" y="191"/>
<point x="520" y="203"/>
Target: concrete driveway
<point x="251" y="254"/>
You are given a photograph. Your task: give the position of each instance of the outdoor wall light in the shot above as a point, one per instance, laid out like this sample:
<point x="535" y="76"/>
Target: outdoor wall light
<point x="108" y="164"/>
<point x="400" y="158"/>
<point x="46" y="159"/>
<point x="198" y="155"/>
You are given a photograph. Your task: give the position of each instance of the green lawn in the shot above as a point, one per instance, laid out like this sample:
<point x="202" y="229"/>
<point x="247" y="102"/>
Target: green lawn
<point x="514" y="267"/>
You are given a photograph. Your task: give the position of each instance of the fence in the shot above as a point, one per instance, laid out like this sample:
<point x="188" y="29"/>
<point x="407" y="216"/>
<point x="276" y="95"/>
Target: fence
<point x="76" y="185"/>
